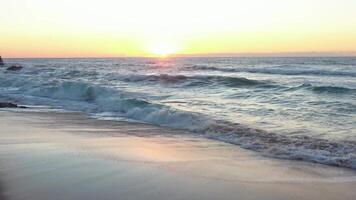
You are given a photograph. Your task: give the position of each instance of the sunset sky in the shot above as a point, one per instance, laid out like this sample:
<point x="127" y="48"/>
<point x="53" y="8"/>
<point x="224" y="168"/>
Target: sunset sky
<point x="84" y="28"/>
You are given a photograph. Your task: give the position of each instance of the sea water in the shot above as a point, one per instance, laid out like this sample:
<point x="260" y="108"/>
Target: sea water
<point x="293" y="108"/>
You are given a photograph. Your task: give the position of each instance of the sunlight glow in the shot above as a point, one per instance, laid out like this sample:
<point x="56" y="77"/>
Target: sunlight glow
<point x="162" y="49"/>
<point x="42" y="28"/>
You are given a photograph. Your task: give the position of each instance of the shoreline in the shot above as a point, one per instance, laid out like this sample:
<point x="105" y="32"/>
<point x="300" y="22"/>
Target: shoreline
<point x="70" y="156"/>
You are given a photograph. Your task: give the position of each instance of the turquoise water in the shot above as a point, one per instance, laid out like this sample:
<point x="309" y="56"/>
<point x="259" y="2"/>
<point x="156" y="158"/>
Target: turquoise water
<point x="295" y="108"/>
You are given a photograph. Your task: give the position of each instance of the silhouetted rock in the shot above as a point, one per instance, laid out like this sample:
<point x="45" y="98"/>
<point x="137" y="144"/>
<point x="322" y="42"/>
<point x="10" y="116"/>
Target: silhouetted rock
<point x="14" y="68"/>
<point x="1" y="62"/>
<point x="10" y="105"/>
<point x="7" y="105"/>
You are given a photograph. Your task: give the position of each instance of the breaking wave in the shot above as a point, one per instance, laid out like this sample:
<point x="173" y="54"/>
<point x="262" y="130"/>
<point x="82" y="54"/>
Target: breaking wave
<point x="96" y="99"/>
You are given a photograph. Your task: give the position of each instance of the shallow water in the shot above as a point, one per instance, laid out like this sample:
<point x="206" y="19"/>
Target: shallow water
<point x="297" y="108"/>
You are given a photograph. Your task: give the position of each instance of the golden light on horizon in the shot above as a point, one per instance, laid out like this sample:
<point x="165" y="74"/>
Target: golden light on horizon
<point x="162" y="49"/>
<point x="35" y="28"/>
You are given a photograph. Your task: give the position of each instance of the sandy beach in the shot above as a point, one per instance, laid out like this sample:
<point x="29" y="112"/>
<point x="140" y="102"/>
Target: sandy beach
<point x="69" y="156"/>
<point x="178" y="100"/>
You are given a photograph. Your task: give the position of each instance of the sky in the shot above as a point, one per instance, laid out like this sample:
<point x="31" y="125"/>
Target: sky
<point x="110" y="28"/>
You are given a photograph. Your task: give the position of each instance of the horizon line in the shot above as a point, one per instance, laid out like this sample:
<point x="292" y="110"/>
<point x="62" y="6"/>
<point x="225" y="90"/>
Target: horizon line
<point x="279" y="54"/>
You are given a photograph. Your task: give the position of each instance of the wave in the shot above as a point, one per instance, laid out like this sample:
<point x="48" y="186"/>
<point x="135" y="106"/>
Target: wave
<point x="325" y="89"/>
<point x="97" y="99"/>
<point x="280" y="70"/>
<point x="340" y="153"/>
<point x="197" y="80"/>
<point x="333" y="89"/>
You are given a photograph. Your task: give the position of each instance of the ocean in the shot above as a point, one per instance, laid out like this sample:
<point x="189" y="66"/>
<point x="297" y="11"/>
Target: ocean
<point x="290" y="108"/>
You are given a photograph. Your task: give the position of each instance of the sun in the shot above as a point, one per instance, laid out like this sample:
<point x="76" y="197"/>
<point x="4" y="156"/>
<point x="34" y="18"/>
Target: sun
<point x="162" y="49"/>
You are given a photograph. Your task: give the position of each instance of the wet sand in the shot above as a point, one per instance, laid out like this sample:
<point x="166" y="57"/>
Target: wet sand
<point x="69" y="156"/>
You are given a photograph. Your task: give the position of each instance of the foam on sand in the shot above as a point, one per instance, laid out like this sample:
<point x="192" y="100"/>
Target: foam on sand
<point x="68" y="156"/>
